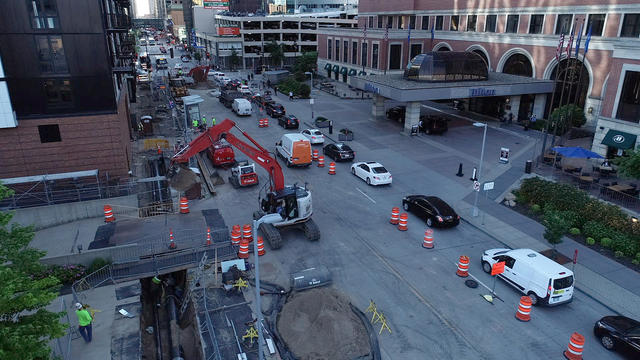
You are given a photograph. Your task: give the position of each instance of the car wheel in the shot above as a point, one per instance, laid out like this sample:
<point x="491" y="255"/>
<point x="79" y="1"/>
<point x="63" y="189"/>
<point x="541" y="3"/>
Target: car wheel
<point x="353" y="171"/>
<point x="405" y="206"/>
<point x="289" y="164"/>
<point x="534" y="298"/>
<point x="368" y="181"/>
<point x="429" y="222"/>
<point x="486" y="267"/>
<point x="608" y="342"/>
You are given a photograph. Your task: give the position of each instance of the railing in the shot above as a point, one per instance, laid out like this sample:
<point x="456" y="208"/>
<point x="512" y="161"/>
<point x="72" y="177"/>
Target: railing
<point x="91" y="281"/>
<point x="146" y="211"/>
<point x="117" y="21"/>
<point x="62" y="347"/>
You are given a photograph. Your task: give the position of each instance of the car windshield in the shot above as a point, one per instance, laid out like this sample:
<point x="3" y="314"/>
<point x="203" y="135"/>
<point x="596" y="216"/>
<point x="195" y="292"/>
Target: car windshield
<point x="343" y="147"/>
<point x="379" y="170"/>
<point x="316" y="132"/>
<point x="293" y="118"/>
<point x="563" y="283"/>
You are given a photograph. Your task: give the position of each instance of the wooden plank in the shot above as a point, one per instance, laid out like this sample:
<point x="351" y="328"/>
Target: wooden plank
<point x="205" y="171"/>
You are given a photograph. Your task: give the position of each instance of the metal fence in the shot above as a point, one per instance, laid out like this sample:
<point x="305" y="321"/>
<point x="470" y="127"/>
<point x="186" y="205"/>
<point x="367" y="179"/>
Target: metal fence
<point x="91" y="281"/>
<point x="62" y="346"/>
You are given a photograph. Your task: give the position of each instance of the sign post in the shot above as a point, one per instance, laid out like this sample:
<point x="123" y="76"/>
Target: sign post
<point x="486" y="187"/>
<point x="575" y="260"/>
<point x="496" y="269"/>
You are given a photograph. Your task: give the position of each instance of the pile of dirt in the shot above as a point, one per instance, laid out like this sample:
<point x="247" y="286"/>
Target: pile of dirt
<point x="183" y="180"/>
<point x="319" y="324"/>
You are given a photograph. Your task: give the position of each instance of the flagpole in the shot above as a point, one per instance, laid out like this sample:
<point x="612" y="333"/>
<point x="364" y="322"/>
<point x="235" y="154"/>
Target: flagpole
<point x="584" y="55"/>
<point x="553" y="95"/>
<point x="571" y="77"/>
<point x="564" y="83"/>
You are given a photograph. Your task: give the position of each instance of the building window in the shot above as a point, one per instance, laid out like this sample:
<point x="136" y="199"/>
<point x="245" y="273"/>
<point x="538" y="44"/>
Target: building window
<point x="563" y="24"/>
<point x="390" y="22"/>
<point x="380" y="21"/>
<point x="49" y="133"/>
<point x="512" y="24"/>
<point x="345" y="52"/>
<point x="472" y="20"/>
<point x="412" y="22"/>
<point x="439" y="22"/>
<point x="354" y="52"/>
<point x="490" y="23"/>
<point x="629" y="104"/>
<point x="630" y="26"/>
<point x="425" y="23"/>
<point x="374" y="56"/>
<point x="337" y="50"/>
<point x="329" y="49"/>
<point x="51" y="54"/>
<point x="370" y="21"/>
<point x="597" y="23"/>
<point x="416" y="49"/>
<point x="400" y="23"/>
<point x="455" y="19"/>
<point x="43" y="14"/>
<point x="395" y="56"/>
<point x="535" y="24"/>
<point x="58" y="93"/>
<point x="364" y="54"/>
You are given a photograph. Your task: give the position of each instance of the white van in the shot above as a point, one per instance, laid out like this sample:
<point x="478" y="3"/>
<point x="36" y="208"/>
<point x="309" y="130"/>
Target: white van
<point x="295" y="149"/>
<point x="545" y="281"/>
<point x="241" y="107"/>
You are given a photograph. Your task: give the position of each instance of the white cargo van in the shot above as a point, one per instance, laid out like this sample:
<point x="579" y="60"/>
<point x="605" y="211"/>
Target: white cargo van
<point x="295" y="149"/>
<point x="544" y="280"/>
<point x="241" y="107"/>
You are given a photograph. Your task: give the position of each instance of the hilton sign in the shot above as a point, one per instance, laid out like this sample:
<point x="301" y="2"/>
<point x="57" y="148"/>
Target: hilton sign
<point x="481" y="92"/>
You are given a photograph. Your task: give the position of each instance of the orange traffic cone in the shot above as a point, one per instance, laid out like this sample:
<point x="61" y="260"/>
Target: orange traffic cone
<point x="321" y="161"/>
<point x="184" y="205"/>
<point x="332" y="168"/>
<point x="261" y="250"/>
<point x="395" y="215"/>
<point x="235" y="235"/>
<point x="463" y="266"/>
<point x="172" y="243"/>
<point x="246" y="233"/>
<point x="243" y="252"/>
<point x="427" y="243"/>
<point x="208" y="236"/>
<point x="315" y="155"/>
<point x="108" y="214"/>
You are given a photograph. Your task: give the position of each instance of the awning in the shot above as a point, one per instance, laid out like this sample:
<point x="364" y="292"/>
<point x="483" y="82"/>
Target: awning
<point x="362" y="73"/>
<point x="336" y="68"/>
<point x="619" y="139"/>
<point x="327" y="66"/>
<point x="343" y="71"/>
<point x="352" y="72"/>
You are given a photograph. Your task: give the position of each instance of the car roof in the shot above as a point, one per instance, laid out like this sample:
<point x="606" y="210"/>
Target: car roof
<point x="295" y="137"/>
<point x="542" y="263"/>
<point x="373" y="163"/>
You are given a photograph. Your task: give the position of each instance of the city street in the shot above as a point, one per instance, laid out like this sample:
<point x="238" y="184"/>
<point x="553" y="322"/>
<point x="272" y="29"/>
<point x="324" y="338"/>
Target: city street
<point x="430" y="310"/>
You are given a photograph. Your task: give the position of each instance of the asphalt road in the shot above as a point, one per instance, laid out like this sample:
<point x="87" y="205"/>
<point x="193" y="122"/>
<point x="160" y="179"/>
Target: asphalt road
<point x="432" y="314"/>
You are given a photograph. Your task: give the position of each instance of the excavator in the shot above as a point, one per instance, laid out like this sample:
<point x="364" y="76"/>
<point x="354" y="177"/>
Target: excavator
<point x="291" y="202"/>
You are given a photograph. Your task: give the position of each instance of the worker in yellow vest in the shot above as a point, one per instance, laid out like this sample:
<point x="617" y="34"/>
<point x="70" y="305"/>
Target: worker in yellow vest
<point x="213" y="121"/>
<point x="84" y="322"/>
<point x="194" y="123"/>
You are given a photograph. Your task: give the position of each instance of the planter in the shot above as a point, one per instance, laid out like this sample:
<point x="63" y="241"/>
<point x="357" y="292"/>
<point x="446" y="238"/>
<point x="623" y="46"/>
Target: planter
<point x="345" y="135"/>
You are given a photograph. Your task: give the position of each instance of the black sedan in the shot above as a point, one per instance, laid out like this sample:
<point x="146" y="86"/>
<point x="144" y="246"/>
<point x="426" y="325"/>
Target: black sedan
<point x="275" y="110"/>
<point x="433" y="210"/>
<point x="289" y="122"/>
<point x="619" y="333"/>
<point x="339" y="152"/>
<point x="397" y="113"/>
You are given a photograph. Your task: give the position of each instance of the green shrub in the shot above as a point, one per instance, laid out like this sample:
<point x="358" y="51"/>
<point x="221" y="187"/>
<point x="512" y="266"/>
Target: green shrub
<point x="536" y="208"/>
<point x="556" y="226"/>
<point x="97" y="264"/>
<point x="619" y="254"/>
<point x="68" y="274"/>
<point x="574" y="231"/>
<point x="605" y="242"/>
<point x="591" y="241"/>
<point x="638" y="256"/>
<point x="596" y="230"/>
<point x="624" y="243"/>
<point x="635" y="262"/>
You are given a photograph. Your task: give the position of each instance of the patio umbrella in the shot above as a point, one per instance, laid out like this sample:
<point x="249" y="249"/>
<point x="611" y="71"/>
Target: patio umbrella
<point x="576" y="152"/>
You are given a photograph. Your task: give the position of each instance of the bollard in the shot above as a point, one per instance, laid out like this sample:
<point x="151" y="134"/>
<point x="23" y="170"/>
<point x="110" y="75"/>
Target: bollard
<point x="460" y="174"/>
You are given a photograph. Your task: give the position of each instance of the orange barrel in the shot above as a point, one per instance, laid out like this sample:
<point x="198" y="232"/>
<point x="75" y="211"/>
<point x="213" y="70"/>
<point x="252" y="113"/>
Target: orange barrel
<point x="321" y="161"/>
<point x="524" y="309"/>
<point x="261" y="250"/>
<point x="260" y="123"/>
<point x="235" y="235"/>
<point x="243" y="252"/>
<point x="208" y="236"/>
<point x="172" y="243"/>
<point x="463" y="266"/>
<point x="315" y="155"/>
<point x="427" y="243"/>
<point x="402" y="222"/>
<point x="246" y="233"/>
<point x="184" y="205"/>
<point x="576" y="345"/>
<point x="395" y="215"/>
<point x="108" y="214"/>
<point x="266" y="122"/>
<point x="332" y="168"/>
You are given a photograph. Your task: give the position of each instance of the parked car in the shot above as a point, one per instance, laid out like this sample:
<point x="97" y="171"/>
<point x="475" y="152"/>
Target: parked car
<point x="244" y="89"/>
<point x="289" y="122"/>
<point x="163" y="50"/>
<point x="397" y="113"/>
<point x="434" y="211"/>
<point x="339" y="152"/>
<point x="274" y="109"/>
<point x="314" y="136"/>
<point x="322" y="122"/>
<point x="215" y="93"/>
<point x="372" y="173"/>
<point x="433" y="124"/>
<point x="619" y="333"/>
<point x="295" y="149"/>
<point x="542" y="279"/>
<point x="242" y="107"/>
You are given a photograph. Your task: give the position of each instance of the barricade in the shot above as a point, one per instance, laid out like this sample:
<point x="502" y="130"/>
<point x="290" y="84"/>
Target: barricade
<point x="395" y="215"/>
<point x="403" y="222"/>
<point x="243" y="252"/>
<point x="246" y="233"/>
<point x="172" y="243"/>
<point x="261" y="250"/>
<point x="463" y="266"/>
<point x="332" y="168"/>
<point x="427" y="243"/>
<point x="315" y="155"/>
<point x="576" y="345"/>
<point x="235" y="235"/>
<point x="184" y="205"/>
<point x="108" y="214"/>
<point x="208" y="236"/>
<point x="524" y="309"/>
<point x="321" y="161"/>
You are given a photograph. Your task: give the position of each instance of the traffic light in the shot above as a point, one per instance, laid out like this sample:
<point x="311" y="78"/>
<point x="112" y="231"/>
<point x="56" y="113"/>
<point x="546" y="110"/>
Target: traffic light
<point x="171" y="52"/>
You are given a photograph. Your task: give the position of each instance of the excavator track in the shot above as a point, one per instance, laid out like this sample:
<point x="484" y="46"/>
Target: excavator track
<point x="311" y="230"/>
<point x="272" y="235"/>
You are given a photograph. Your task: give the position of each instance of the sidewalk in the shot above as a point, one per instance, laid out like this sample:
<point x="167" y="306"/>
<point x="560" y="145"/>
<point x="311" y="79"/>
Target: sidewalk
<point x="597" y="276"/>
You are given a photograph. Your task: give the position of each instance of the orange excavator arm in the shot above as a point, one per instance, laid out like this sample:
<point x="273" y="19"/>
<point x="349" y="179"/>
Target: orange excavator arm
<point x="222" y="131"/>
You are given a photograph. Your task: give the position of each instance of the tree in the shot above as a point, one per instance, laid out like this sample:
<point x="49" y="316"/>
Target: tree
<point x="556" y="226"/>
<point x="198" y="56"/>
<point x="306" y="62"/>
<point x="234" y="58"/>
<point x="26" y="327"/>
<point x="629" y="164"/>
<point x="277" y="52"/>
<point x="562" y="115"/>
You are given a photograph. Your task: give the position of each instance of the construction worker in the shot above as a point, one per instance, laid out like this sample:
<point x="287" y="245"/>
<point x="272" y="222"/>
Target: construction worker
<point x="204" y="120"/>
<point x="84" y="322"/>
<point x="194" y="123"/>
<point x="213" y="121"/>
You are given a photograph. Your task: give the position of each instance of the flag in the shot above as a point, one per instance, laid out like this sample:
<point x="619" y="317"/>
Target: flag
<point x="386" y="33"/>
<point x="579" y="40"/>
<point x="588" y="40"/>
<point x="432" y="33"/>
<point x="570" y="43"/>
<point x="559" y="48"/>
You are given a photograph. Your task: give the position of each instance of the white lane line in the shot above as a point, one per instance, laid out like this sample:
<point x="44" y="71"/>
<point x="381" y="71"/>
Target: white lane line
<point x="365" y="195"/>
<point x="476" y="279"/>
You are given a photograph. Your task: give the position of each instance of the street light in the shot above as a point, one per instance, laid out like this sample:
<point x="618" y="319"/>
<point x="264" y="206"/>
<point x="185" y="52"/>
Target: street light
<point x="310" y="92"/>
<point x="267" y="219"/>
<point x="484" y="139"/>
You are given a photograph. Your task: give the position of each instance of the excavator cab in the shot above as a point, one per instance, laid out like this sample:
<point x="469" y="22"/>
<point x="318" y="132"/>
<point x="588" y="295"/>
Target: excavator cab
<point x="283" y="202"/>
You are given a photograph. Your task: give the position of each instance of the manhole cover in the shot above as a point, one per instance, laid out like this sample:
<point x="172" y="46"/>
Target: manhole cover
<point x="471" y="283"/>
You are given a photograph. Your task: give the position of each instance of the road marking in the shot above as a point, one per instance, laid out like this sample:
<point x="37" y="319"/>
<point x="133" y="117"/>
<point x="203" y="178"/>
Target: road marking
<point x="367" y="196"/>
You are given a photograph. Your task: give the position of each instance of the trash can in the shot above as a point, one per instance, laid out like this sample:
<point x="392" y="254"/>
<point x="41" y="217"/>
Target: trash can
<point x="527" y="167"/>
